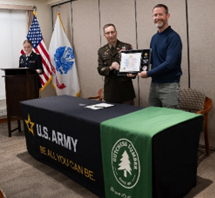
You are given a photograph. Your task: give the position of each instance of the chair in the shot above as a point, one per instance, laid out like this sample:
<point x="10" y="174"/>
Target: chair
<point x="195" y="101"/>
<point x="2" y="195"/>
<point x="99" y="95"/>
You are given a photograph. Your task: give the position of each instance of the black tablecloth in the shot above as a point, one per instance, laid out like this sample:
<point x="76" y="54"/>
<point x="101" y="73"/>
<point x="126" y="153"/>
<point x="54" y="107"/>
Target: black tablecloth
<point x="65" y="135"/>
<point x="68" y="115"/>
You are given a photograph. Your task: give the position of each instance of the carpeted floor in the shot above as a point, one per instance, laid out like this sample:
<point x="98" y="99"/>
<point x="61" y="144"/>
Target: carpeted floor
<point x="21" y="176"/>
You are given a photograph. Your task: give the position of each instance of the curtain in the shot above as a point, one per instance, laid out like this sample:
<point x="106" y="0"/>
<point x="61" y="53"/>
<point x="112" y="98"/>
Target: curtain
<point x="29" y="16"/>
<point x="13" y="33"/>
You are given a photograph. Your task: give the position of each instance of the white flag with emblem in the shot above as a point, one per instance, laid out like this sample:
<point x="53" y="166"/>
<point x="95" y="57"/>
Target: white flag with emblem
<point x="65" y="78"/>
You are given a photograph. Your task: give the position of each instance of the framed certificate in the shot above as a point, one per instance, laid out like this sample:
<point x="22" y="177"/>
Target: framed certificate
<point x="134" y="61"/>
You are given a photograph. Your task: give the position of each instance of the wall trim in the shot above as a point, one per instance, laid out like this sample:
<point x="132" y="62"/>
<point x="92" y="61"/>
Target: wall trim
<point x="15" y="7"/>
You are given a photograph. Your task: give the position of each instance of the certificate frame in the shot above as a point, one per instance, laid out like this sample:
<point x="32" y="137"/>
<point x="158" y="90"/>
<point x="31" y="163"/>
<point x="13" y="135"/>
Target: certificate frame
<point x="134" y="61"/>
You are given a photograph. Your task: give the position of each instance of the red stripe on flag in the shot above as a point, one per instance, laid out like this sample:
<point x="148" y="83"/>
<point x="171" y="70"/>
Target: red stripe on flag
<point x="44" y="73"/>
<point x="42" y="82"/>
<point x="46" y="55"/>
<point x="45" y="76"/>
<point x="45" y="52"/>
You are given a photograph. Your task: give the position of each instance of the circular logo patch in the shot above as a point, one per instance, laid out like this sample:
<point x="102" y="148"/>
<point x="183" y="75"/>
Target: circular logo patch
<point x="64" y="59"/>
<point x="125" y="163"/>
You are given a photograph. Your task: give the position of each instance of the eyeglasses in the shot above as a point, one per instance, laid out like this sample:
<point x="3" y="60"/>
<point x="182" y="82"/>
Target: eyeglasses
<point x="108" y="33"/>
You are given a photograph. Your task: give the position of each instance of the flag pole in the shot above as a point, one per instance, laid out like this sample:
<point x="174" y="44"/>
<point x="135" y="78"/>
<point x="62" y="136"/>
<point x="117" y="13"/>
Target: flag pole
<point x="34" y="11"/>
<point x="61" y="22"/>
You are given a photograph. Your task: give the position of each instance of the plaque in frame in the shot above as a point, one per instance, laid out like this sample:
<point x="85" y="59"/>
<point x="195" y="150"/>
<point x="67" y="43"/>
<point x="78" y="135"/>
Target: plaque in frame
<point x="134" y="61"/>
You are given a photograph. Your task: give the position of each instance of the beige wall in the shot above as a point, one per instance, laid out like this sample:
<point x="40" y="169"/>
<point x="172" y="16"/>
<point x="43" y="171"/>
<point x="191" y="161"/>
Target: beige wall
<point x="202" y="65"/>
<point x="89" y="17"/>
<point x="86" y="44"/>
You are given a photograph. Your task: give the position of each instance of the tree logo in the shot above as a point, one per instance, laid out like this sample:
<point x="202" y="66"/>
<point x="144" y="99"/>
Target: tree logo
<point x="125" y="163"/>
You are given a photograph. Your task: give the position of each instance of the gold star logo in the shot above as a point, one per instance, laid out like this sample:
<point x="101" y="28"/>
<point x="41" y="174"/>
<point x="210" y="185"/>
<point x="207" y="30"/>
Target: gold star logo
<point x="30" y="124"/>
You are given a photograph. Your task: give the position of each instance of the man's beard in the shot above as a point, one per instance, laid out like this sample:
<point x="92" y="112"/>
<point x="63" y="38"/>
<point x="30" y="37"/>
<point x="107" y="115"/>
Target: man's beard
<point x="160" y="24"/>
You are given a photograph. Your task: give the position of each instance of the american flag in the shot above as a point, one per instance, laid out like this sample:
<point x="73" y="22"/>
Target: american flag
<point x="35" y="35"/>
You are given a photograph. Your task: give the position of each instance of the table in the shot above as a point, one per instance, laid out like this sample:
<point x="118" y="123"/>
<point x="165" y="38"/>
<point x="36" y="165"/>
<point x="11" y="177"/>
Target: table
<point x="65" y="135"/>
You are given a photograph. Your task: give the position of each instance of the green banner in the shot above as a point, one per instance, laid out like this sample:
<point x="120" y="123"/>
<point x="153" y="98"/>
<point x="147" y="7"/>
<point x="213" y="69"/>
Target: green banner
<point x="126" y="143"/>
